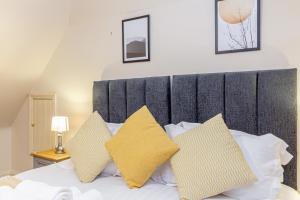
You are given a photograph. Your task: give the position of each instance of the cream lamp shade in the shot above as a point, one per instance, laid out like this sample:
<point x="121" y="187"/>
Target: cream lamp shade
<point x="60" y="124"/>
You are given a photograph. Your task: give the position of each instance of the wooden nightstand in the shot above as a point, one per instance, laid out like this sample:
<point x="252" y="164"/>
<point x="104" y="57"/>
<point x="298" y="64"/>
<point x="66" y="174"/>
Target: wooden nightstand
<point x="44" y="158"/>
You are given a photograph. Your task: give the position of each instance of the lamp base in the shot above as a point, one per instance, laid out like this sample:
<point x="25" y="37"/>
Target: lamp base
<point x="59" y="150"/>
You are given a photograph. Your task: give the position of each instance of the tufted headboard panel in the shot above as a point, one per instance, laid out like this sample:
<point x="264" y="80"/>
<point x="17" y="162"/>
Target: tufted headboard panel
<point x="256" y="102"/>
<point x="118" y="99"/>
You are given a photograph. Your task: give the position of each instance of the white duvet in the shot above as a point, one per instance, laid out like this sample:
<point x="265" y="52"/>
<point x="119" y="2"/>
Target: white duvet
<point x="114" y="188"/>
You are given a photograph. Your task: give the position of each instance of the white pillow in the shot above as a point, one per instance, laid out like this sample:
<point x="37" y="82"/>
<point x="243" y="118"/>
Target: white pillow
<point x="266" y="161"/>
<point x="276" y="146"/>
<point x="264" y="154"/>
<point x="188" y="125"/>
<point x="273" y="142"/>
<point x="269" y="153"/>
<point x="111" y="169"/>
<point x="164" y="175"/>
<point x="174" y="130"/>
<point x="113" y="127"/>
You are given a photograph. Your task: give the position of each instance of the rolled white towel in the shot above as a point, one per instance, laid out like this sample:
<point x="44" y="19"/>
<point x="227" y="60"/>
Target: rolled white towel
<point x="43" y="191"/>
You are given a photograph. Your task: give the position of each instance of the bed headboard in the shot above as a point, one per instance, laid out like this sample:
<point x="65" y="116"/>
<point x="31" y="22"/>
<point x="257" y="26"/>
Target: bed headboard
<point x="256" y="102"/>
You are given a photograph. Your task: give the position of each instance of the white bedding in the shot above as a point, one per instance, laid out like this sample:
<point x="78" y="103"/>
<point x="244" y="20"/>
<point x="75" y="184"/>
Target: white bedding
<point x="113" y="188"/>
<point x="32" y="190"/>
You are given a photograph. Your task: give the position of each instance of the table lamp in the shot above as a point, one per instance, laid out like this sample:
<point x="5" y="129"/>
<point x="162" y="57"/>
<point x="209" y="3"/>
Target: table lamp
<point x="60" y="124"/>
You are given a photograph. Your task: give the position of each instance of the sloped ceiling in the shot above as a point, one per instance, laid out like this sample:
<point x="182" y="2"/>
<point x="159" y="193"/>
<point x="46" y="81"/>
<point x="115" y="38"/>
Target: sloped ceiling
<point x="30" y="31"/>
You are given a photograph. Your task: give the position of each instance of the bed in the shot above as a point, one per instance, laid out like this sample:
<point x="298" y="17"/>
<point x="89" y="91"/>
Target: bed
<point x="114" y="188"/>
<point x="256" y="102"/>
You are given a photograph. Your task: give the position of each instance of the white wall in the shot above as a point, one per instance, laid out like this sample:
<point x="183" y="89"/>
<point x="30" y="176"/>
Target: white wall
<point x="30" y="32"/>
<point x="5" y="151"/>
<point x="182" y="41"/>
<point x="21" y="159"/>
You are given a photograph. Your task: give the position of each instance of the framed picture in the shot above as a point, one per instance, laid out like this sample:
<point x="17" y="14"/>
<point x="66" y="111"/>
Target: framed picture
<point x="237" y="26"/>
<point x="136" y="39"/>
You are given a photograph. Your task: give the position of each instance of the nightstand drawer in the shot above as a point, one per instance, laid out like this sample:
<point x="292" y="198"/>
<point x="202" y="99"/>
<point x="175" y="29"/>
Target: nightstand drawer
<point x="39" y="162"/>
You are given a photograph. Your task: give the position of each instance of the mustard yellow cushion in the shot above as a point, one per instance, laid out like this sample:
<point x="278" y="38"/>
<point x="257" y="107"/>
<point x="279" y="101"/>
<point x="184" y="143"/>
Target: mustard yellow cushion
<point x="87" y="148"/>
<point x="139" y="147"/>
<point x="209" y="161"/>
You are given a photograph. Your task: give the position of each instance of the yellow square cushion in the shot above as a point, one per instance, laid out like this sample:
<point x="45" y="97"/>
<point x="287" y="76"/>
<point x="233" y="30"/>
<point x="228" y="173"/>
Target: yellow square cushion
<point x="209" y="161"/>
<point x="87" y="148"/>
<point x="139" y="147"/>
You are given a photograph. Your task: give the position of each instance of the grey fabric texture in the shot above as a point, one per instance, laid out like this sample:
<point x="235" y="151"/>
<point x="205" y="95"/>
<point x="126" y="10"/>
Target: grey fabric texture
<point x="184" y="98"/>
<point x="116" y="100"/>
<point x="100" y="99"/>
<point x="158" y="98"/>
<point x="135" y="95"/>
<point x="240" y="101"/>
<point x="210" y="96"/>
<point x="277" y="112"/>
<point x="256" y="102"/>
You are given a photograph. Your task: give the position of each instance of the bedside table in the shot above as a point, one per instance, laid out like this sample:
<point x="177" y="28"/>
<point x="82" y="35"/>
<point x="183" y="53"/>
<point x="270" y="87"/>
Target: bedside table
<point x="44" y="158"/>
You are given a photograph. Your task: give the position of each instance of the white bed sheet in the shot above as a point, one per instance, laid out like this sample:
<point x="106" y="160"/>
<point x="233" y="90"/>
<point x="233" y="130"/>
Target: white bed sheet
<point x="114" y="188"/>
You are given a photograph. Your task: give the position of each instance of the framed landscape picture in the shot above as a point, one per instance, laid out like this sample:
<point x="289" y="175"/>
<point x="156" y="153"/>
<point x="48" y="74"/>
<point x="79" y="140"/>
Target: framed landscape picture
<point x="136" y="39"/>
<point x="237" y="26"/>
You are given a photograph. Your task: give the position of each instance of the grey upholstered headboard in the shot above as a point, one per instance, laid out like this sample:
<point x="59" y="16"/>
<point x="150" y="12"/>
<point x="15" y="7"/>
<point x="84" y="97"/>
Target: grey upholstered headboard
<point x="256" y="102"/>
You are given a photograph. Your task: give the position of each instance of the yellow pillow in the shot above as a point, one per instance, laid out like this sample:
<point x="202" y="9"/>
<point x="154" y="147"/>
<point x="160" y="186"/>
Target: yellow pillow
<point x="139" y="147"/>
<point x="209" y="161"/>
<point x="87" y="148"/>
